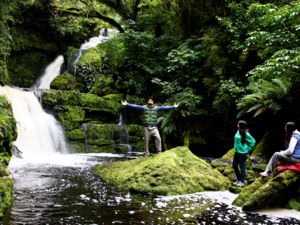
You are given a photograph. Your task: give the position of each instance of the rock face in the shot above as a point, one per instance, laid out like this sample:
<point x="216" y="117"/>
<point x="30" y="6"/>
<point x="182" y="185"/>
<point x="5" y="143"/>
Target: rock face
<point x="91" y="122"/>
<point x="176" y="171"/>
<point x="267" y="191"/>
<point x="8" y="134"/>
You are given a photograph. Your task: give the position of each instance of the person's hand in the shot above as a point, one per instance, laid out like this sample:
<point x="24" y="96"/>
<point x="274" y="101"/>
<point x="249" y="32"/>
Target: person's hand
<point x="124" y="102"/>
<point x="176" y="105"/>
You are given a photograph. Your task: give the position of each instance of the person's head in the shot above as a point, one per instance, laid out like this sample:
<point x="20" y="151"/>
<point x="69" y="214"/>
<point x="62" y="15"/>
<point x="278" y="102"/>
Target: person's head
<point x="150" y="102"/>
<point x="290" y="127"/>
<point x="242" y="125"/>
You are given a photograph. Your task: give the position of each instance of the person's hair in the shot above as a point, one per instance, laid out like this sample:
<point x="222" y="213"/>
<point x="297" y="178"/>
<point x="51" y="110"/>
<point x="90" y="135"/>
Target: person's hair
<point x="290" y="127"/>
<point x="243" y="127"/>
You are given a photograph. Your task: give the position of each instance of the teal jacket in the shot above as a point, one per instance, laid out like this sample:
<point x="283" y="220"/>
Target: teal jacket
<point x="247" y="146"/>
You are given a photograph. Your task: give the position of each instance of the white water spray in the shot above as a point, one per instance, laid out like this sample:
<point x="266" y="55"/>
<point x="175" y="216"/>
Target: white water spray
<point x="104" y="35"/>
<point x="39" y="134"/>
<point x="52" y="71"/>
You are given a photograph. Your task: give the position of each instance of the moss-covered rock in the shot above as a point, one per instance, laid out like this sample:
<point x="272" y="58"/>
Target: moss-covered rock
<point x="54" y="98"/>
<point x="102" y="85"/>
<point x="5" y="195"/>
<point x="92" y="57"/>
<point x="76" y="134"/>
<point x="267" y="191"/>
<point x="176" y="171"/>
<point x="65" y="81"/>
<point x="8" y="129"/>
<point x="136" y="137"/>
<point x="8" y="134"/>
<point x="294" y="204"/>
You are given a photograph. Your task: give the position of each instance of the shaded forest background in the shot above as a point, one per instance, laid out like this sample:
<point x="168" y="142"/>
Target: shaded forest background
<point x="221" y="60"/>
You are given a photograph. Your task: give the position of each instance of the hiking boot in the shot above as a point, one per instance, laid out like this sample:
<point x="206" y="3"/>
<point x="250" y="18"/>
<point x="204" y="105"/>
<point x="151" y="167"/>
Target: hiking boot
<point x="240" y="184"/>
<point x="264" y="174"/>
<point x="236" y="182"/>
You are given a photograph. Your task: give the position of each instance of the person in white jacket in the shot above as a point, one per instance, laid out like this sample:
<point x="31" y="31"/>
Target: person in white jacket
<point x="290" y="155"/>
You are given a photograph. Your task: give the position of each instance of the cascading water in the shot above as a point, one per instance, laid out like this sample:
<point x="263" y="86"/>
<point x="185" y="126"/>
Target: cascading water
<point x="104" y="35"/>
<point x="38" y="132"/>
<point x="52" y="71"/>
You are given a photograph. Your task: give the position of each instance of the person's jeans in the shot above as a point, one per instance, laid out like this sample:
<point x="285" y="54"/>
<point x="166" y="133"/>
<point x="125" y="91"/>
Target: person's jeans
<point x="239" y="166"/>
<point x="280" y="157"/>
<point x="148" y="132"/>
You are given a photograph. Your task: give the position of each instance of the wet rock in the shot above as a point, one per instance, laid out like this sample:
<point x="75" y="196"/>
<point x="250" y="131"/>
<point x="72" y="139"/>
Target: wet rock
<point x="176" y="171"/>
<point x="268" y="191"/>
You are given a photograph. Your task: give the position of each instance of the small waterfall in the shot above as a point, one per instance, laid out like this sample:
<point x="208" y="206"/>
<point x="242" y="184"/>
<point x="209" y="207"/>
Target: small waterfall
<point x="123" y="133"/>
<point x="38" y="132"/>
<point x="52" y="71"/>
<point x="104" y="35"/>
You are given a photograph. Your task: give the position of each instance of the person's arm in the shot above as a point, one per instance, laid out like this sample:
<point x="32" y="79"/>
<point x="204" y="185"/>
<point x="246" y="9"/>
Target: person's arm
<point x="251" y="142"/>
<point x="164" y="108"/>
<point x="291" y="148"/>
<point x="133" y="106"/>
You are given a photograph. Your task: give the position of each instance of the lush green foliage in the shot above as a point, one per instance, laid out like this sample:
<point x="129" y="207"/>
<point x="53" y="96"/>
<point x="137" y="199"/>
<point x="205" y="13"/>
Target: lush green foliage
<point x="216" y="58"/>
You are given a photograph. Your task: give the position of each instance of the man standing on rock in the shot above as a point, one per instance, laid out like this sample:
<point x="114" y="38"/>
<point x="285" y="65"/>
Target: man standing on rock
<point x="150" y="121"/>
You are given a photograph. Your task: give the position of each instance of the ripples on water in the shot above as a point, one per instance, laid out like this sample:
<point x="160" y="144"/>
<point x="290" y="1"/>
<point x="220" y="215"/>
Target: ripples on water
<point x="68" y="194"/>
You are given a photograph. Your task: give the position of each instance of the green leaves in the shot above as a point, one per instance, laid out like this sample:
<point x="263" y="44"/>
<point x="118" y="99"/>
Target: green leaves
<point x="266" y="96"/>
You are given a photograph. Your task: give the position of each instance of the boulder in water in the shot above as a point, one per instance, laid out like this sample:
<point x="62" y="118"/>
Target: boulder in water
<point x="268" y="191"/>
<point x="176" y="171"/>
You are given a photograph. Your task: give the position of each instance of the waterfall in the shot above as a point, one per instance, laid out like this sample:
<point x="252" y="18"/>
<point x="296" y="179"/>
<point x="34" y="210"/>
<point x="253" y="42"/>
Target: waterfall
<point x="38" y="132"/>
<point x="104" y="35"/>
<point x="52" y="71"/>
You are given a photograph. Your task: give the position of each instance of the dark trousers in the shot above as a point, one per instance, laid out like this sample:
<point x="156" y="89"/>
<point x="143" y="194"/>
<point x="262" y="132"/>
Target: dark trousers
<point x="239" y="166"/>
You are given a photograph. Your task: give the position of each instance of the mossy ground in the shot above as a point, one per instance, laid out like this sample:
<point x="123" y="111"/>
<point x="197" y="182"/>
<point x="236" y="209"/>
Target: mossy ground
<point x="176" y="171"/>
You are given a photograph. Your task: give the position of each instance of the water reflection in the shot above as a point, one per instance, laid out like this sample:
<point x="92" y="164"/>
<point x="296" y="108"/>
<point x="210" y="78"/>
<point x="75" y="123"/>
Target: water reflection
<point x="69" y="193"/>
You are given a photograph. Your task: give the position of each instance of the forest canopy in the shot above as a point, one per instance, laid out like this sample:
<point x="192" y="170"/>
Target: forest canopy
<point x="222" y="60"/>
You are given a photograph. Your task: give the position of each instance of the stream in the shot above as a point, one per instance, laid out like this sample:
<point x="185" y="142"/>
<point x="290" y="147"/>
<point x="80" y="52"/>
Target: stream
<point x="62" y="189"/>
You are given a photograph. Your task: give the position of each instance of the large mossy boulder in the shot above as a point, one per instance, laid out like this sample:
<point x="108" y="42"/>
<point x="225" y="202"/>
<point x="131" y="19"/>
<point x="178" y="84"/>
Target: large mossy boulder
<point x="267" y="191"/>
<point x="65" y="81"/>
<point x="176" y="171"/>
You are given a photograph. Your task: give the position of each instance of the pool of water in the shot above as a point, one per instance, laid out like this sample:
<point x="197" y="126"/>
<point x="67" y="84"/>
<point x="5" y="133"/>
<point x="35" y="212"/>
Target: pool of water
<point x="63" y="190"/>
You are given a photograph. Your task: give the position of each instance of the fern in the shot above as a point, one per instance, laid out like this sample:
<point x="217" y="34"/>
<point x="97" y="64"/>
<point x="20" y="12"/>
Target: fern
<point x="265" y="96"/>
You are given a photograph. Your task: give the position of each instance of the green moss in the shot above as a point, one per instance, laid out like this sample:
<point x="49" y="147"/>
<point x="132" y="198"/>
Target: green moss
<point x="64" y="81"/>
<point x="71" y="113"/>
<point x="77" y="146"/>
<point x="262" y="149"/>
<point x="92" y="57"/>
<point x="8" y="129"/>
<point x="52" y="98"/>
<point x="4" y="78"/>
<point x="5" y="195"/>
<point x="102" y="85"/>
<point x="76" y="134"/>
<point x="267" y="191"/>
<point x="229" y="155"/>
<point x="176" y="171"/>
<point x="294" y="204"/>
<point x="114" y="50"/>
